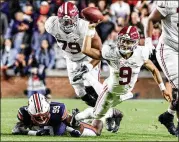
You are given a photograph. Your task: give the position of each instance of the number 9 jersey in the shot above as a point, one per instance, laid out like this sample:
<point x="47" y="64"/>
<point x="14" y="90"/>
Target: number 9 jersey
<point x="123" y="72"/>
<point x="70" y="43"/>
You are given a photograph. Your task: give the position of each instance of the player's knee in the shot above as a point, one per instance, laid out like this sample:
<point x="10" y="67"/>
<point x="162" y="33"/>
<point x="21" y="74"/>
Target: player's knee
<point x="98" y="124"/>
<point x="79" y="91"/>
<point x="90" y="90"/>
<point x="89" y="100"/>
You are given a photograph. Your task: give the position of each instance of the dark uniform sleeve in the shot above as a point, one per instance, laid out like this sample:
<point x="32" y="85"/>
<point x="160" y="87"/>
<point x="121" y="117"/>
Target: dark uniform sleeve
<point x="24" y="116"/>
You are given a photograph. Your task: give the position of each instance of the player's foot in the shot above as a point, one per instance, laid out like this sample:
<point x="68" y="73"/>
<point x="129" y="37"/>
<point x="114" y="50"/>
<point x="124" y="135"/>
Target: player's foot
<point x="117" y="119"/>
<point x="167" y="120"/>
<point x="74" y="122"/>
<point x="113" y="124"/>
<point x="80" y="73"/>
<point x="110" y="122"/>
<point x="177" y="129"/>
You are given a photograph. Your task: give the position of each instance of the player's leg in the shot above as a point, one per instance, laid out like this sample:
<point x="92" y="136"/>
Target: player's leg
<point x="94" y="129"/>
<point x="92" y="83"/>
<point x="79" y="85"/>
<point x="168" y="61"/>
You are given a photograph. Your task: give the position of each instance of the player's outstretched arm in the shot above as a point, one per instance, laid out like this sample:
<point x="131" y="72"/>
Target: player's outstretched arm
<point x="87" y="49"/>
<point x="157" y="77"/>
<point x="155" y="16"/>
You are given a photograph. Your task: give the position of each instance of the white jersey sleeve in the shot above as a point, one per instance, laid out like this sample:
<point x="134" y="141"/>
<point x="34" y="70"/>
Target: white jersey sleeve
<point x="50" y="24"/>
<point x="167" y="7"/>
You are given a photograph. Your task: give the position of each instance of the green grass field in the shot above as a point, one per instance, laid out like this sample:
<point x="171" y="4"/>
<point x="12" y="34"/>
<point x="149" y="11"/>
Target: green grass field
<point x="140" y="122"/>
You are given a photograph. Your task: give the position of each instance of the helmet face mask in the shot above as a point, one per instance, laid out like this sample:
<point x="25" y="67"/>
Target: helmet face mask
<point x="126" y="45"/>
<point x="39" y="109"/>
<point x="68" y="24"/>
<point x="68" y="17"/>
<point x="40" y="119"/>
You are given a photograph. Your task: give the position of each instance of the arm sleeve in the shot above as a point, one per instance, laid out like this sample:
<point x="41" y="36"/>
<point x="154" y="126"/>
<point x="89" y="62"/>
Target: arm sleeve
<point x="162" y="10"/>
<point x="49" y="24"/>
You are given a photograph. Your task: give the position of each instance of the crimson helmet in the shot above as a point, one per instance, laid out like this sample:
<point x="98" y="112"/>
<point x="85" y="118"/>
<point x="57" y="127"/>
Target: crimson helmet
<point x="68" y="16"/>
<point x="128" y="39"/>
<point x="39" y="109"/>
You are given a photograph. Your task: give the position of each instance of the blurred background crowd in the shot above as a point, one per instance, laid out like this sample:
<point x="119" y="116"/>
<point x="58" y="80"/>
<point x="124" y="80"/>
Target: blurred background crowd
<point x="27" y="49"/>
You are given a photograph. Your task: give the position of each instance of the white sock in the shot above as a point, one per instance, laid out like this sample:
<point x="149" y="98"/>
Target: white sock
<point x="93" y="82"/>
<point x="86" y="114"/>
<point x="171" y="111"/>
<point x="69" y="129"/>
<point x="126" y="96"/>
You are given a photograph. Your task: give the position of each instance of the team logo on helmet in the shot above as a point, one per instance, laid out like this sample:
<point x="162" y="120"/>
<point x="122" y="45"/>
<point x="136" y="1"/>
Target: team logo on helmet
<point x="68" y="17"/>
<point x="39" y="109"/>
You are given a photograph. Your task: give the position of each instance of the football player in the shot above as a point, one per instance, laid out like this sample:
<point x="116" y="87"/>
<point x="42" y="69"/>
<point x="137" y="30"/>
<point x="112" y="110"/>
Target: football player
<point x="125" y="60"/>
<point x="41" y="117"/>
<point x="167" y="53"/>
<point x="69" y="31"/>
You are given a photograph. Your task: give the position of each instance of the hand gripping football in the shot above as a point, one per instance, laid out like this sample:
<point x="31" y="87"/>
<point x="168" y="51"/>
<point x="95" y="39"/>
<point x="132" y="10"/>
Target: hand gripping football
<point x="92" y="14"/>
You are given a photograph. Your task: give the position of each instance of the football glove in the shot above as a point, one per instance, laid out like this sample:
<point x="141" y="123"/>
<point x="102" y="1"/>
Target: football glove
<point x="75" y="133"/>
<point x="86" y="67"/>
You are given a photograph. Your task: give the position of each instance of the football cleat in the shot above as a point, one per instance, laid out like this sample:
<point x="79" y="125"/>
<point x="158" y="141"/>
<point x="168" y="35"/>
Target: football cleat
<point x="80" y="72"/>
<point x="110" y="122"/>
<point x="74" y="122"/>
<point x="167" y="120"/>
<point x="113" y="123"/>
<point x="177" y="129"/>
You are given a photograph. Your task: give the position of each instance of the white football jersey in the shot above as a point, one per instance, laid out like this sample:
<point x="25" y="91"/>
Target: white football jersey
<point x="126" y="70"/>
<point x="71" y="43"/>
<point x="169" y="9"/>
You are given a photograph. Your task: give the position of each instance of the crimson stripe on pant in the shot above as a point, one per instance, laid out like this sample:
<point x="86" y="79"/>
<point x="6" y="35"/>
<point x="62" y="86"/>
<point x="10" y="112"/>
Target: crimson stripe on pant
<point x="164" y="65"/>
<point x="100" y="97"/>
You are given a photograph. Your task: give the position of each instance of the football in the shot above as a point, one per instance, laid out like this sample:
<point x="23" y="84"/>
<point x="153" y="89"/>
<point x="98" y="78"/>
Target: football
<point x="92" y="14"/>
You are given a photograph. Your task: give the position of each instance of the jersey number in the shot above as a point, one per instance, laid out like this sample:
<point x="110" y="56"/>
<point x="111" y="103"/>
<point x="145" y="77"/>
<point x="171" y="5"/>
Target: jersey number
<point x="56" y="109"/>
<point x="74" y="46"/>
<point x="125" y="72"/>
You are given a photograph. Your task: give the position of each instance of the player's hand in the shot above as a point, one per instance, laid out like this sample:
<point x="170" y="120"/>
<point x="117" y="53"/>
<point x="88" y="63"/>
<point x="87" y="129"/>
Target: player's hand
<point x="93" y="25"/>
<point x="43" y="132"/>
<point x="75" y="133"/>
<point x="85" y="67"/>
<point x="91" y="29"/>
<point x="19" y="129"/>
<point x="149" y="45"/>
<point x="167" y="95"/>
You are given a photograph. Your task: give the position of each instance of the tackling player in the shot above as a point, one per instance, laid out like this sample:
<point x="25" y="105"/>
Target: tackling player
<point x="69" y="31"/>
<point x="167" y="53"/>
<point x="125" y="60"/>
<point x="41" y="117"/>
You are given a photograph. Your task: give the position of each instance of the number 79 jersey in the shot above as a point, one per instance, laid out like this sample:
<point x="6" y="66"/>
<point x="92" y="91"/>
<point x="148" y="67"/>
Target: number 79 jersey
<point x="123" y="72"/>
<point x="71" y="44"/>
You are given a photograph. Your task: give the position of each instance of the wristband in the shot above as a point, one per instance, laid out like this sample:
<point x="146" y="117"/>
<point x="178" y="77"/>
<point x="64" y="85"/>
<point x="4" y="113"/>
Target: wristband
<point x="162" y="86"/>
<point x="32" y="133"/>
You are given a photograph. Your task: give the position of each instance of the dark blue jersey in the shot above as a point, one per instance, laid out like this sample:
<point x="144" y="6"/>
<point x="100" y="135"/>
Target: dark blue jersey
<point x="57" y="115"/>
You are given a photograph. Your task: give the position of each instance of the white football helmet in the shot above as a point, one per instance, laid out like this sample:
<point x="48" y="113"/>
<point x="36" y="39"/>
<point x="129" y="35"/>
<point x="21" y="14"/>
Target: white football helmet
<point x="39" y="109"/>
<point x="68" y="17"/>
